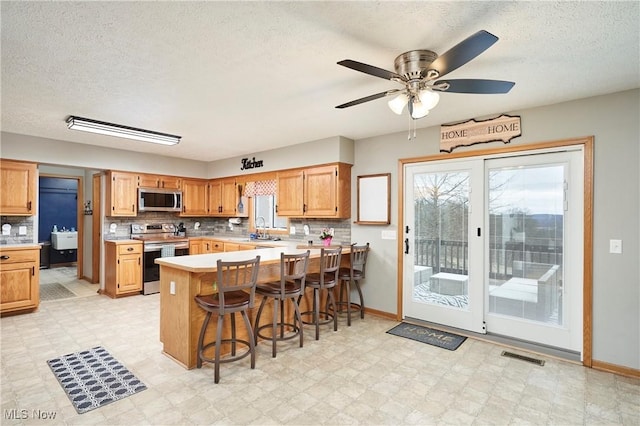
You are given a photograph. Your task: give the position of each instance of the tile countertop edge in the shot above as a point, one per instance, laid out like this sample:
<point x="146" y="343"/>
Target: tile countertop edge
<point x="207" y="262"/>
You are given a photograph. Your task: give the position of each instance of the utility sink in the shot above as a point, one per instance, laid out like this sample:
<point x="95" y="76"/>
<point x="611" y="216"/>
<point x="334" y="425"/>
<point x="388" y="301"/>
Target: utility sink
<point x="64" y="240"/>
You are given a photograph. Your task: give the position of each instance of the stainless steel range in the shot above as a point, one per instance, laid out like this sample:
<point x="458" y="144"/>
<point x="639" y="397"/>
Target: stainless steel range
<point x="160" y="240"/>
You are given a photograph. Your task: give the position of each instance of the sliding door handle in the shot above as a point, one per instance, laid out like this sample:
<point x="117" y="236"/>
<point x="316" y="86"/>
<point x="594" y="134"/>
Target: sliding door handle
<point x="406" y="246"/>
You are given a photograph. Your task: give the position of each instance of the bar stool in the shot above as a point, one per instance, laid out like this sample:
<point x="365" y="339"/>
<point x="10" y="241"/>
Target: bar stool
<point x="353" y="274"/>
<point x="233" y="278"/>
<point x="326" y="279"/>
<point x="293" y="270"/>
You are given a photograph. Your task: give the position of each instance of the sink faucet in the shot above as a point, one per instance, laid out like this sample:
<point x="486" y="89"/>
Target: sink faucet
<point x="264" y="227"/>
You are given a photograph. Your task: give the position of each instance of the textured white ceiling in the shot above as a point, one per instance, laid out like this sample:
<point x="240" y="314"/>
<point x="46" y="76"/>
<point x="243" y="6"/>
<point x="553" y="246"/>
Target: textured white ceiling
<point x="235" y="78"/>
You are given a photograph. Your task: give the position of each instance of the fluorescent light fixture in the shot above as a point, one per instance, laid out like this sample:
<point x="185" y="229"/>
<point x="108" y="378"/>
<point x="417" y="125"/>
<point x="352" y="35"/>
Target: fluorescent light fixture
<point x="109" y="129"/>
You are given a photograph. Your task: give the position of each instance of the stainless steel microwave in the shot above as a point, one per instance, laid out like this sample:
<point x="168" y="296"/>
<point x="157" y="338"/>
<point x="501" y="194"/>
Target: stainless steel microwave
<point x="159" y="200"/>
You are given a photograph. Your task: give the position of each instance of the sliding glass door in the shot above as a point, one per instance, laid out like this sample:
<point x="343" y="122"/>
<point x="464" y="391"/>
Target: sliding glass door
<point x="495" y="245"/>
<point x="445" y="284"/>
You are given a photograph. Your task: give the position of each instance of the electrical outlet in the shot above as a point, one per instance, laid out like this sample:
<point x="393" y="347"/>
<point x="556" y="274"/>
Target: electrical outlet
<point x="172" y="287"/>
<point x="615" y="246"/>
<point x="292" y="230"/>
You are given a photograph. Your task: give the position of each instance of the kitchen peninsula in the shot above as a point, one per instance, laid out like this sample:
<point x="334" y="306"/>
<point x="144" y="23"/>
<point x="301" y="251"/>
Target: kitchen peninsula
<point x="184" y="277"/>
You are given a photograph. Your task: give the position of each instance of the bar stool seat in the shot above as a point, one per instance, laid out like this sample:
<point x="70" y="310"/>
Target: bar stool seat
<point x="236" y="283"/>
<point x="353" y="274"/>
<point x="293" y="270"/>
<point x="326" y="279"/>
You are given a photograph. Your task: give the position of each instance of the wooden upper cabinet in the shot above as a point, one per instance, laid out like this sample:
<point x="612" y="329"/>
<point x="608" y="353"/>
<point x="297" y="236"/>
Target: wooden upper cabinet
<point x="17" y="188"/>
<point x="323" y="191"/>
<point x="320" y="191"/>
<point x="222" y="197"/>
<point x="158" y="181"/>
<point x="194" y="197"/>
<point x="229" y="197"/>
<point x="290" y="197"/>
<point x="122" y="194"/>
<point x="214" y="199"/>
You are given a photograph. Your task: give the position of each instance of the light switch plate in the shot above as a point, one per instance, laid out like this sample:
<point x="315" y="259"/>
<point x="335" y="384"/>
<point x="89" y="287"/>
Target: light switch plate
<point x="292" y="230"/>
<point x="615" y="246"/>
<point x="388" y="235"/>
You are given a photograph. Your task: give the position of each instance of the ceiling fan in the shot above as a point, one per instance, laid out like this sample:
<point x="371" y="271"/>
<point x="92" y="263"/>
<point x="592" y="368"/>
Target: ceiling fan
<point x="419" y="71"/>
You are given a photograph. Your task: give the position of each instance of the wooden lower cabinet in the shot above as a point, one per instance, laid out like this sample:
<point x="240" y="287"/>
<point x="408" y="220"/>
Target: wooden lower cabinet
<point x="205" y="245"/>
<point x="202" y="245"/>
<point x="123" y="268"/>
<point x="19" y="279"/>
<point x="231" y="247"/>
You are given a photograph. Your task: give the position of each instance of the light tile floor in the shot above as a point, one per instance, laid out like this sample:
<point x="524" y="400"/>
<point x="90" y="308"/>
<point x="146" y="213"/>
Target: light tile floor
<point x="67" y="277"/>
<point x="357" y="375"/>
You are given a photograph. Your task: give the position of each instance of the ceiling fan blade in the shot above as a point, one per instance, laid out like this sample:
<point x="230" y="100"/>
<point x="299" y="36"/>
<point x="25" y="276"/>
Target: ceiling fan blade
<point x="370" y="69"/>
<point x="462" y="53"/>
<point x="369" y="98"/>
<point x="474" y="86"/>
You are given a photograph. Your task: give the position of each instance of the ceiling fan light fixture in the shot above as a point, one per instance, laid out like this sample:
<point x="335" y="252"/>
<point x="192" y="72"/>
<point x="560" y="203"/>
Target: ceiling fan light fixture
<point x="419" y="109"/>
<point x="398" y="103"/>
<point x="429" y="98"/>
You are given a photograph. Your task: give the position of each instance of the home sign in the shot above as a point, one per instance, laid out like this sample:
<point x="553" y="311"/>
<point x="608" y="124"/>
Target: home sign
<point x="502" y="128"/>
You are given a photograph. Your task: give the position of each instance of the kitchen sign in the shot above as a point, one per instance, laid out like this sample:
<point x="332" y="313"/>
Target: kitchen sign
<point x="247" y="164"/>
<point x="502" y="128"/>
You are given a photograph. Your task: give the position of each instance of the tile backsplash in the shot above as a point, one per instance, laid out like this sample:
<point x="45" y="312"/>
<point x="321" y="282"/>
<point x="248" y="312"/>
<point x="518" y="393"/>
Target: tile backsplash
<point x="210" y="226"/>
<point x="16" y="222"/>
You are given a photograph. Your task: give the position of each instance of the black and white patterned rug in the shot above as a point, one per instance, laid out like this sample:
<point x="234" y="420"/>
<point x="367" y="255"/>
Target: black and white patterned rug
<point x="93" y="378"/>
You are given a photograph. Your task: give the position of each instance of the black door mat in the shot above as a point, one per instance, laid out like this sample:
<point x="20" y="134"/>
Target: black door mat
<point x="94" y="378"/>
<point x="434" y="337"/>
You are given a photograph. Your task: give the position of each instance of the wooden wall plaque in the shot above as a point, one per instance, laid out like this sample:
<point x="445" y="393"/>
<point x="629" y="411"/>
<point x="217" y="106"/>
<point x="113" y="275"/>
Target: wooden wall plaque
<point x="471" y="132"/>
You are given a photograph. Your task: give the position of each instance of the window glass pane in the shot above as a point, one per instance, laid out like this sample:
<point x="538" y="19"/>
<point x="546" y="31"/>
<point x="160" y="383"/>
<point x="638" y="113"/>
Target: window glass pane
<point x="265" y="207"/>
<point x="526" y="206"/>
<point x="441" y="238"/>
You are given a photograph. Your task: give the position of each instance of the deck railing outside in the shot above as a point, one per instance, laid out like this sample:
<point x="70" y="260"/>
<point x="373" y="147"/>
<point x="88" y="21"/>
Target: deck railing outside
<point x="451" y="256"/>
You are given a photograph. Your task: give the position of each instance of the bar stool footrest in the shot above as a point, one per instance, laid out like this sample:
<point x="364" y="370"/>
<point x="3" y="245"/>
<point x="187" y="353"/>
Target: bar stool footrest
<point x="354" y="307"/>
<point x="290" y="334"/>
<point x="329" y="318"/>
<point x="226" y="358"/>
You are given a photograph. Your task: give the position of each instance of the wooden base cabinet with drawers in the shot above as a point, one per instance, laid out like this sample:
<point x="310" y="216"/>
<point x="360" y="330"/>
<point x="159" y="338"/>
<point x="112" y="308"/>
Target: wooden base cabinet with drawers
<point x="123" y="268"/>
<point x="205" y="245"/>
<point x="19" y="279"/>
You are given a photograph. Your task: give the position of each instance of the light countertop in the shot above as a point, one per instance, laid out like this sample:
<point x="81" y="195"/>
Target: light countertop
<point x="20" y="246"/>
<point x="207" y="262"/>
